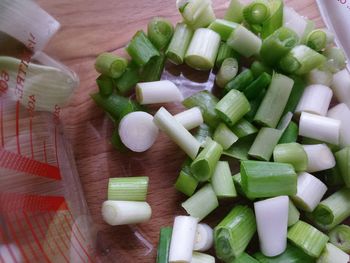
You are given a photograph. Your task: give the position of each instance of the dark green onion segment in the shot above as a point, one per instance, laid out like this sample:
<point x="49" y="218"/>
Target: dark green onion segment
<point x="164" y="244"/>
<point x="160" y="32"/>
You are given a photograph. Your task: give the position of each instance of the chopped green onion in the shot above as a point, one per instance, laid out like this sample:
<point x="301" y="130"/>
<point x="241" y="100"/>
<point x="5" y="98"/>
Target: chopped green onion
<point x="292" y="153"/>
<point x="295" y="22"/>
<point x="333" y="254"/>
<point x="117" y="213"/>
<point x="317" y="39"/>
<point x="202" y="258"/>
<point x="341" y="86"/>
<point x="244" y="42"/>
<point x="223" y="27"/>
<point x="206" y="101"/>
<point x="290" y="134"/>
<point x="227" y="72"/>
<point x="293" y="214"/>
<point x="241" y="81"/>
<point x="203" y="49"/>
<point x="240" y="149"/>
<point x="105" y="85"/>
<point x="190" y="118"/>
<point x="185" y="182"/>
<point x="204" y="165"/>
<point x="203" y="132"/>
<point x="224" y="136"/>
<point x="258" y="85"/>
<point x="254" y="106"/>
<point x="128" y="188"/>
<point x="275" y="21"/>
<point x="129" y="79"/>
<point x="341" y="112"/>
<point x="244" y="128"/>
<point x="336" y="59"/>
<point x="204" y="238"/>
<point x="232" y="107"/>
<point x="333" y="177"/>
<point x="343" y="163"/>
<point x="110" y="65"/>
<point x="310" y="25"/>
<point x="196" y="13"/>
<point x="340" y="237"/>
<point x="320" y="157"/>
<point x="164" y="244"/>
<point x="225" y="51"/>
<point x="245" y="258"/>
<point x="141" y="49"/>
<point x="295" y="95"/>
<point x="160" y="32"/>
<point x="256" y="12"/>
<point x="259" y="68"/>
<point x="301" y="60"/>
<point x="233" y="234"/>
<point x="167" y="123"/>
<point x="237" y="180"/>
<point x="318" y="76"/>
<point x="275" y="100"/>
<point x="308" y="238"/>
<point x="205" y="18"/>
<point x="265" y="179"/>
<point x="202" y="203"/>
<point x="153" y="70"/>
<point x="234" y="12"/>
<point x="222" y="181"/>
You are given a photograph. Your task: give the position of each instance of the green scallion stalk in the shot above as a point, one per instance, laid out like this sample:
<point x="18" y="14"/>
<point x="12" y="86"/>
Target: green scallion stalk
<point x="141" y="49"/>
<point x="202" y="203"/>
<point x="185" y="182"/>
<point x="224" y="136"/>
<point x="225" y="51"/>
<point x="317" y="39"/>
<point x="227" y="72"/>
<point x="333" y="254"/>
<point x="256" y="12"/>
<point x="266" y="179"/>
<point x="244" y="42"/>
<point x="237" y="181"/>
<point x="205" y="18"/>
<point x="128" y="188"/>
<point x="275" y="21"/>
<point x="222" y="181"/>
<point x="340" y="237"/>
<point x="259" y="84"/>
<point x="343" y="163"/>
<point x="259" y="68"/>
<point x="301" y="60"/>
<point x="244" y="128"/>
<point x="333" y="177"/>
<point x="153" y="70"/>
<point x="164" y="244"/>
<point x="293" y="214"/>
<point x="196" y="13"/>
<point x="240" y="149"/>
<point x="160" y="32"/>
<point x="234" y="11"/>
<point x="105" y="85"/>
<point x="254" y="106"/>
<point x="203" y="132"/>
<point x="204" y="165"/>
<point x="295" y="95"/>
<point x="223" y="27"/>
<point x="179" y="43"/>
<point x="129" y="79"/>
<point x="241" y="81"/>
<point x="307" y="238"/>
<point x="232" y="107"/>
<point x="292" y="153"/>
<point x="206" y="101"/>
<point x="336" y="59"/>
<point x="245" y="258"/>
<point x="275" y="100"/>
<point x="110" y="65"/>
<point x="290" y="134"/>
<point x="233" y="234"/>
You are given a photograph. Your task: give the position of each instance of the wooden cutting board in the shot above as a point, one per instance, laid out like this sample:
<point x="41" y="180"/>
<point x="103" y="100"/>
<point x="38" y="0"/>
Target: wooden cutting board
<point x="90" y="27"/>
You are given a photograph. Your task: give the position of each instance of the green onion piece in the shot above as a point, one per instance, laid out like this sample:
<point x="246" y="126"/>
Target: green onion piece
<point x="256" y="12"/>
<point x="196" y="13"/>
<point x="240" y="149"/>
<point x="241" y="81"/>
<point x="259" y="68"/>
<point x="266" y="179"/>
<point x="205" y="18"/>
<point x="128" y="188"/>
<point x="105" y="85"/>
<point x="225" y="51"/>
<point x="292" y="153"/>
<point x="204" y="165"/>
<point x="203" y="132"/>
<point x="310" y="25"/>
<point x="318" y="76"/>
<point x="295" y="95"/>
<point x="254" y="106"/>
<point x="198" y="257"/>
<point x="160" y="32"/>
<point x="307" y="238"/>
<point x="259" y="84"/>
<point x="275" y="100"/>
<point x="179" y="43"/>
<point x="164" y="244"/>
<point x="293" y="214"/>
<point x="153" y="70"/>
<point x="232" y="107"/>
<point x="129" y="79"/>
<point x="185" y="182"/>
<point x="245" y="258"/>
<point x="333" y="254"/>
<point x="301" y="60"/>
<point x="244" y="42"/>
<point x="206" y="101"/>
<point x="280" y="42"/>
<point x="237" y="180"/>
<point x="233" y="234"/>
<point x="223" y="27"/>
<point x="224" y="136"/>
<point x="227" y="72"/>
<point x="333" y="210"/>
<point x="275" y="21"/>
<point x="234" y="11"/>
<point x="343" y="163"/>
<point x="244" y="128"/>
<point x="340" y="237"/>
<point x="110" y="65"/>
<point x="222" y="181"/>
<point x="202" y="203"/>
<point x="290" y="134"/>
<point x="141" y="49"/>
<point x="333" y="177"/>
<point x="336" y="59"/>
<point x="317" y="40"/>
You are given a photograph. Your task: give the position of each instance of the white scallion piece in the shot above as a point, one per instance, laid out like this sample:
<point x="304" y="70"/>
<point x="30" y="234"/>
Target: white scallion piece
<point x="137" y="131"/>
<point x="319" y="127"/>
<point x="332" y="254"/>
<point x="341" y="86"/>
<point x="244" y="42"/>
<point x="177" y="132"/>
<point x="162" y="91"/>
<point x="190" y="118"/>
<point x="317" y="76"/>
<point x="319" y="157"/>
<point x="202" y="258"/>
<point x="117" y="213"/>
<point x="182" y="239"/>
<point x="294" y="21"/>
<point x="272" y="223"/>
<point x="342" y="112"/>
<point x="315" y="99"/>
<point x="204" y="238"/>
<point x="310" y="191"/>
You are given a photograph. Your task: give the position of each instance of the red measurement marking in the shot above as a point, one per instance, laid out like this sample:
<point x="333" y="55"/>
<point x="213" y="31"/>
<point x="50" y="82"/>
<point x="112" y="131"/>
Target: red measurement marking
<point x="17" y="128"/>
<point x="2" y="124"/>
<point x="43" y="234"/>
<point x="56" y="151"/>
<point x="3" y="237"/>
<point x="19" y="163"/>
<point x="70" y="214"/>
<point x="31" y="137"/>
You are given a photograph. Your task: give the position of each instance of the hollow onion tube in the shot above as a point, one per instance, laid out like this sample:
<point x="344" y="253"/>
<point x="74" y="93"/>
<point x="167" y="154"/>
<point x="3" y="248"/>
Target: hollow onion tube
<point x="343" y="164"/>
<point x="244" y="42"/>
<point x="319" y="156"/>
<point x="332" y="254"/>
<point x="233" y="234"/>
<point x="341" y="86"/>
<point x="164" y="244"/>
<point x="275" y="100"/>
<point x="127" y="188"/>
<point x="319" y="128"/>
<point x="244" y="128"/>
<point x="225" y="51"/>
<point x="340" y="237"/>
<point x="317" y="40"/>
<point x="315" y="99"/>
<point x="224" y="136"/>
<point x="266" y="179"/>
<point x="234" y="11"/>
<point x="310" y="191"/>
<point x="167" y="123"/>
<point x="202" y="258"/>
<point x="336" y="59"/>
<point x="272" y="222"/>
<point x="105" y="85"/>
<point x="202" y="133"/>
<point x="240" y="149"/>
<point x="162" y="91"/>
<point x="341" y="112"/>
<point x="293" y="214"/>
<point x="204" y="164"/>
<point x="182" y="239"/>
<point x="110" y="65"/>
<point x="275" y="21"/>
<point x="129" y="79"/>
<point x="190" y="118"/>
<point x="159" y="32"/>
<point x="204" y="238"/>
<point x="202" y="51"/>
<point x="290" y="134"/>
<point x="241" y="81"/>
<point x="292" y="153"/>
<point x="125" y="212"/>
<point x="227" y="72"/>
<point x="318" y="76"/>
<point x="223" y="27"/>
<point x="202" y="203"/>
<point x="222" y="181"/>
<point x="185" y="182"/>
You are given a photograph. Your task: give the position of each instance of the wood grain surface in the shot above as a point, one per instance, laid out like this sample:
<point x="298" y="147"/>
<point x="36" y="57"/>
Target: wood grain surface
<point x="90" y="27"/>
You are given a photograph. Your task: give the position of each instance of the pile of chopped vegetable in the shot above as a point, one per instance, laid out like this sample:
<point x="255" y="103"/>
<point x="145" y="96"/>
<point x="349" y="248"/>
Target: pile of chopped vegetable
<point x="277" y="75"/>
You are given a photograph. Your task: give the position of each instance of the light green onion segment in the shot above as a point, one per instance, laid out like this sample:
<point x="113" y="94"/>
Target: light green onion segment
<point x="256" y="12"/>
<point x="290" y="135"/>
<point x="240" y="149"/>
<point x="234" y="12"/>
<point x="333" y="254"/>
<point x="343" y="163"/>
<point x="224" y="136"/>
<point x="293" y="214"/>
<point x="160" y="32"/>
<point x="244" y="128"/>
<point x="292" y="153"/>
<point x="222" y="181"/>
<point x="340" y="237"/>
<point x="185" y="182"/>
<point x="241" y="81"/>
<point x="128" y="188"/>
<point x="244" y="41"/>
<point x="110" y="65"/>
<point x="223" y="27"/>
<point x="336" y="59"/>
<point x="227" y="72"/>
<point x="225" y="51"/>
<point x="317" y="39"/>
